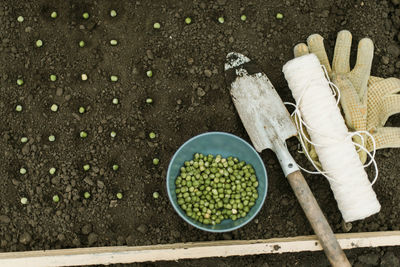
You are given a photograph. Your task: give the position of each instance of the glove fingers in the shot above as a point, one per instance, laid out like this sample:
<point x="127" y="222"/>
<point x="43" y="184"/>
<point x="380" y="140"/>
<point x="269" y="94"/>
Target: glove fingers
<point x="355" y="113"/>
<point x="382" y="101"/>
<point x="316" y="45"/>
<point x="341" y="57"/>
<point x="300" y="49"/>
<point x="373" y="79"/>
<point x="391" y="106"/>
<point x="382" y="88"/>
<point x="365" y="55"/>
<point x="385" y="137"/>
<point x="362" y="70"/>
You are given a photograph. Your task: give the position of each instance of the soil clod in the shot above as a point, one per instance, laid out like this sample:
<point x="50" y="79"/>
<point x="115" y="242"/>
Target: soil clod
<point x="390" y="260"/>
<point x="4" y="219"/>
<point x="142" y="228"/>
<point x="92" y="239"/>
<point x="87" y="229"/>
<point x="369" y="259"/>
<point x="25" y="238"/>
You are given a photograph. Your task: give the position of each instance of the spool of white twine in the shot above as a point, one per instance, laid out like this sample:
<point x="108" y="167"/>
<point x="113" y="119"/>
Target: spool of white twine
<point x="333" y="144"/>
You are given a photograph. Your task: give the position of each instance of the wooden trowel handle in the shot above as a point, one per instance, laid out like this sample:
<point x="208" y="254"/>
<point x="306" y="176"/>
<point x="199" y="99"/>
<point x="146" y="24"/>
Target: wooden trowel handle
<point x="317" y="220"/>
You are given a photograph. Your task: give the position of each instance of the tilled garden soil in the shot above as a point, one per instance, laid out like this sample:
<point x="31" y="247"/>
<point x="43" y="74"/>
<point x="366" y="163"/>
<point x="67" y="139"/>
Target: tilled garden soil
<point x="189" y="95"/>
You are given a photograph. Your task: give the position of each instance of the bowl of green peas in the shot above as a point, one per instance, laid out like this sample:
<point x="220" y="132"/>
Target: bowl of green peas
<point x="217" y="182"/>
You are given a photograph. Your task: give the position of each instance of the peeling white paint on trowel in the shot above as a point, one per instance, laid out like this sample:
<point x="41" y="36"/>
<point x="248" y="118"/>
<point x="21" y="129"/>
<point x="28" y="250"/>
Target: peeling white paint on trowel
<point x="258" y="104"/>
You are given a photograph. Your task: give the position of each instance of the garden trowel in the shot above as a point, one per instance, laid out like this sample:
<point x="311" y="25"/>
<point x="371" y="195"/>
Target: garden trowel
<point x="269" y="124"/>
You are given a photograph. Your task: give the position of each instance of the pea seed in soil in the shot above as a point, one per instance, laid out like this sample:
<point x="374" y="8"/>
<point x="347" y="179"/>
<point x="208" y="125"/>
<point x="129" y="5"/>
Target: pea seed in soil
<point x="211" y="189"/>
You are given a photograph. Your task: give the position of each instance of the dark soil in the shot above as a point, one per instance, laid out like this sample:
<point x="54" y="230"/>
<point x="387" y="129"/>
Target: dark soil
<point x="190" y="97"/>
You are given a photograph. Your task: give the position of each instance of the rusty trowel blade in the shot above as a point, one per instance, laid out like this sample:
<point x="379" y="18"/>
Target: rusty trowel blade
<point x="260" y="108"/>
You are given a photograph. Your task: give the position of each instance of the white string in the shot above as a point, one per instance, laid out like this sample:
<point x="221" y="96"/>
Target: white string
<point x="317" y="110"/>
<point x="297" y="115"/>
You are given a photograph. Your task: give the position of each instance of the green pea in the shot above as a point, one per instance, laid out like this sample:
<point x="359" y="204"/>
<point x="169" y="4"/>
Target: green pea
<point x="18" y="108"/>
<point x="83" y="134"/>
<point x="39" y="43"/>
<point x="152" y="135"/>
<point x="52" y="170"/>
<point x="214" y="188"/>
<point x="54" y="107"/>
<point x="20" y="82"/>
<point x="22" y="171"/>
<point x="56" y="198"/>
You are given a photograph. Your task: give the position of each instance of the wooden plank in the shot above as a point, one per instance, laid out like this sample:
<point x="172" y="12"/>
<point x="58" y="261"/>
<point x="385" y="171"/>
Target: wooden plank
<point x="169" y="252"/>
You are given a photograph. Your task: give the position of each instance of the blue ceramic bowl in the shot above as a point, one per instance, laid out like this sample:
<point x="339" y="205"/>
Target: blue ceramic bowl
<point x="226" y="145"/>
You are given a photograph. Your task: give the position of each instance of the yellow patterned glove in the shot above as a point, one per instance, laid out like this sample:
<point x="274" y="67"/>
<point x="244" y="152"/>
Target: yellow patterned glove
<point x="367" y="102"/>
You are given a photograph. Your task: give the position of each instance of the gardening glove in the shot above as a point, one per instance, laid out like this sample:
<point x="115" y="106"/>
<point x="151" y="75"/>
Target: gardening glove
<point x="366" y="101"/>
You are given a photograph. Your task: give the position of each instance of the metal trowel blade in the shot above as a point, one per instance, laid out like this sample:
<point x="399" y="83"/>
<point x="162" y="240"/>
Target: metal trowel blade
<point x="260" y="108"/>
